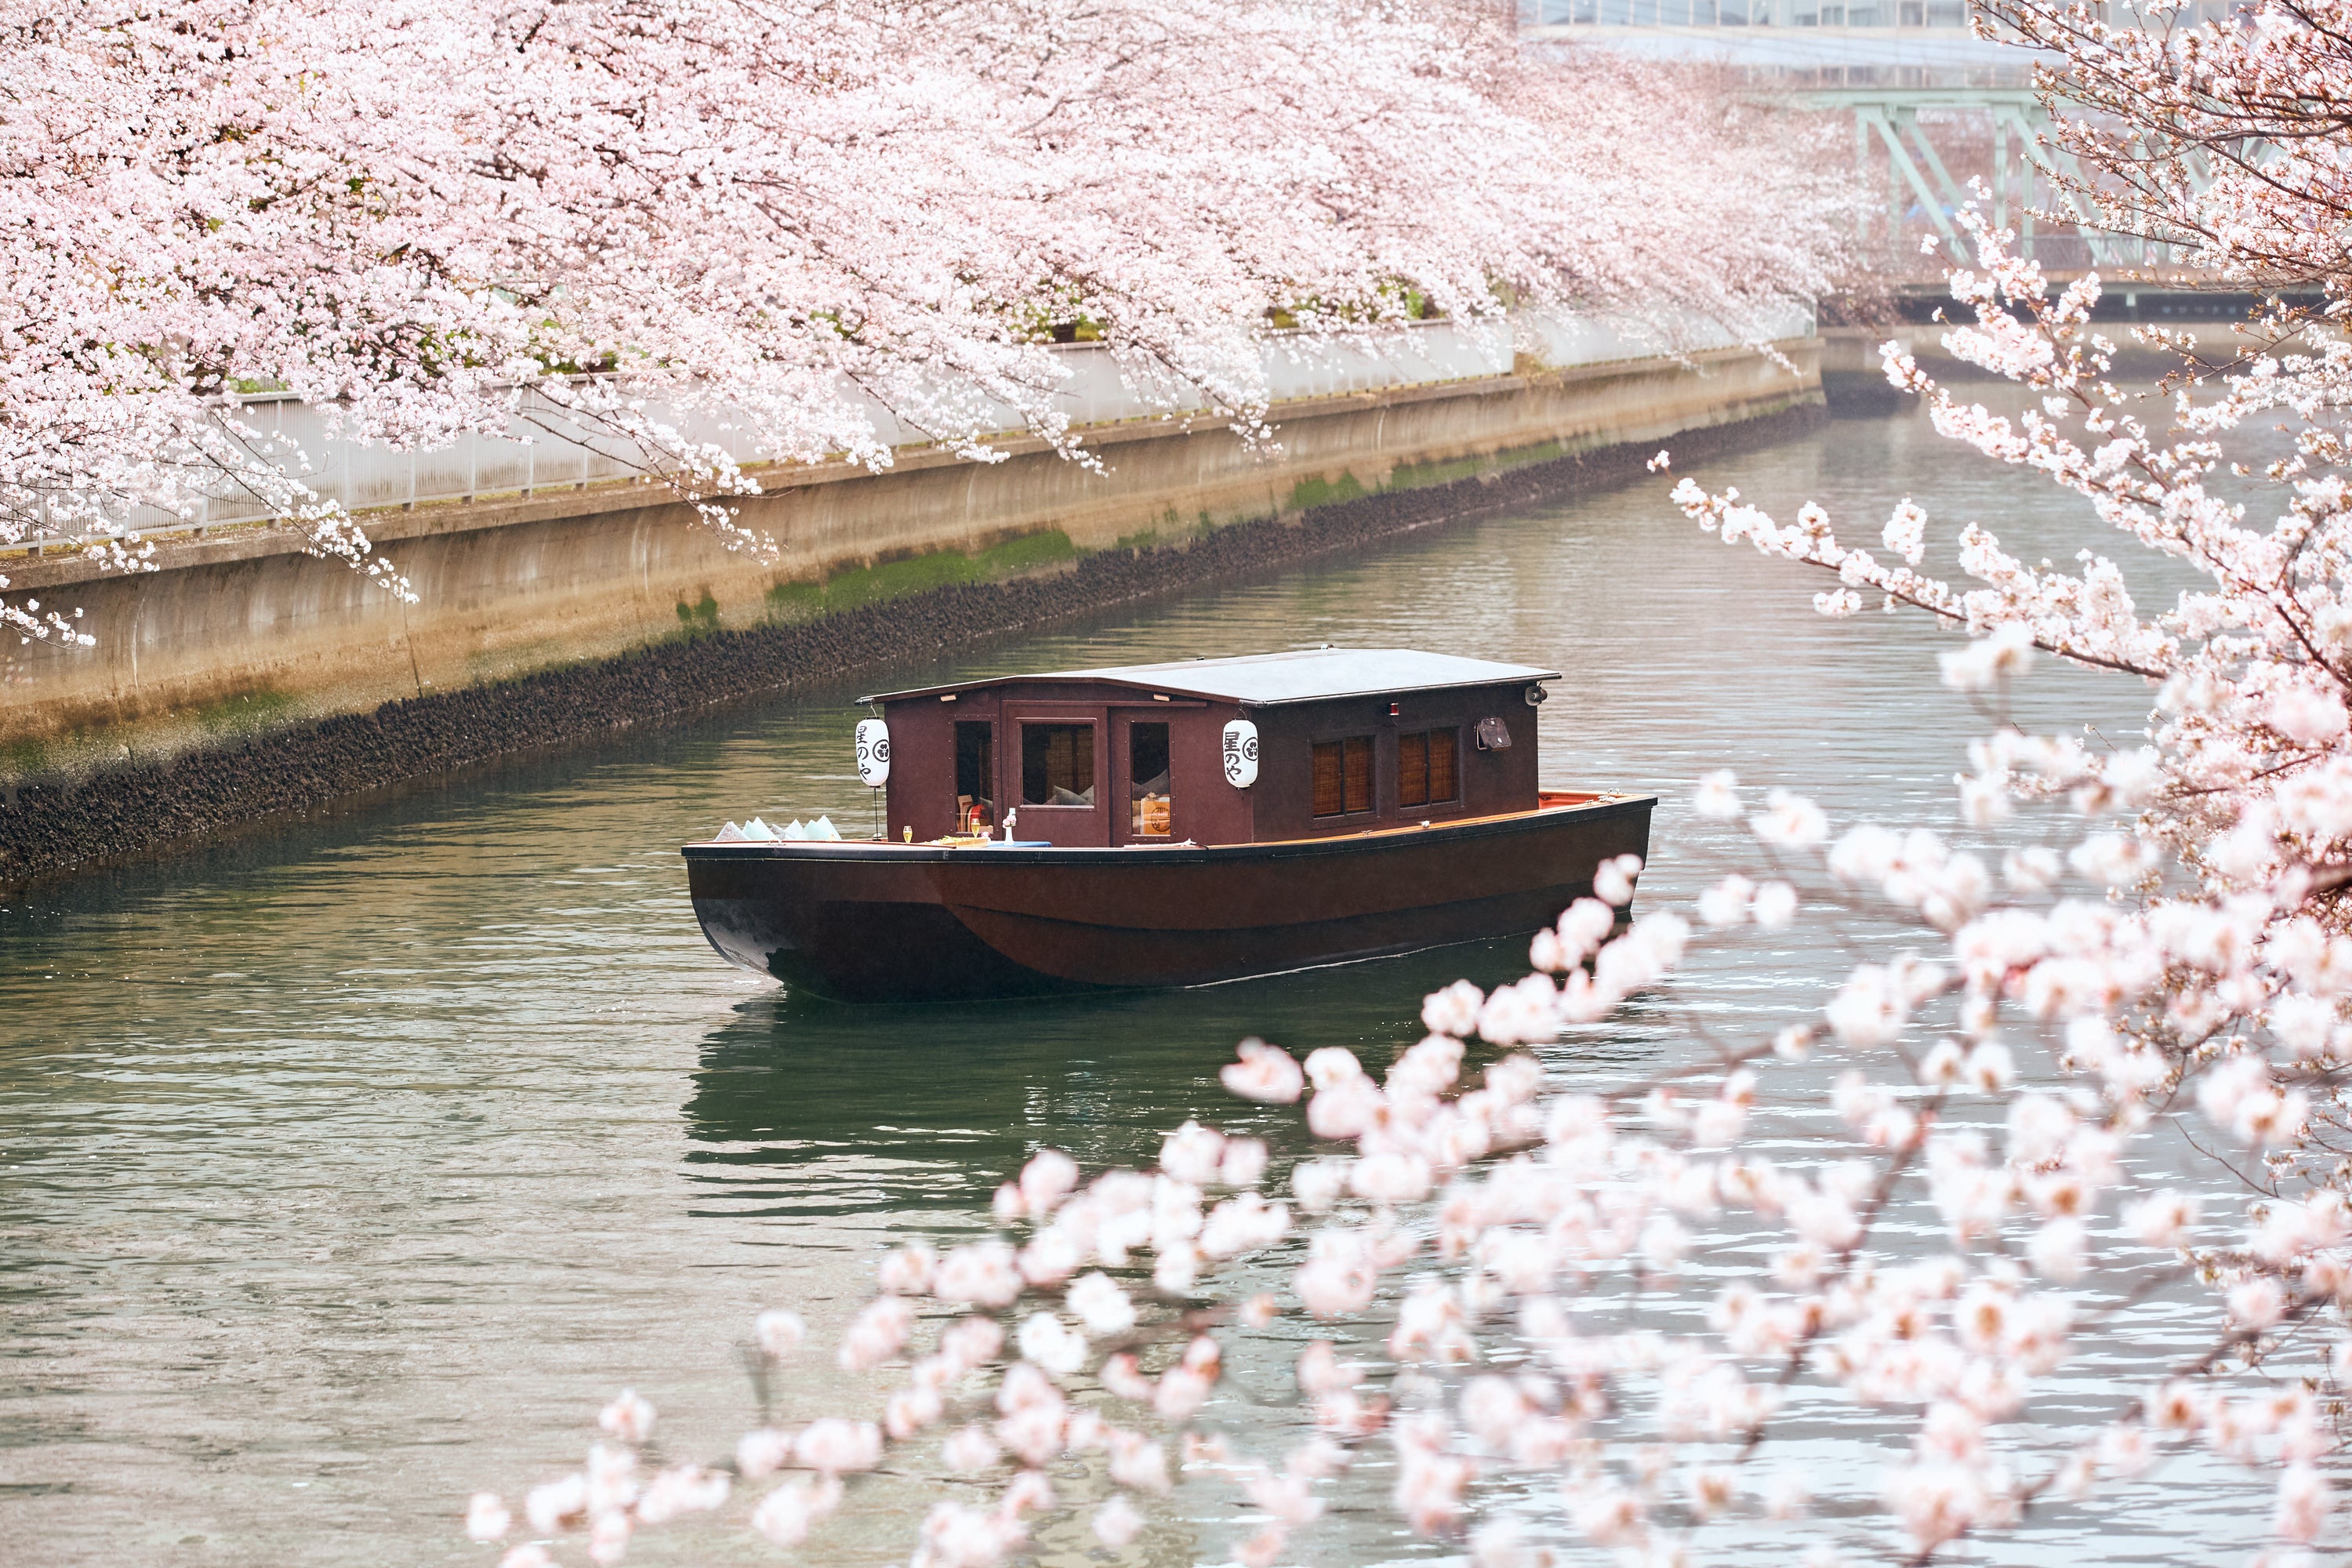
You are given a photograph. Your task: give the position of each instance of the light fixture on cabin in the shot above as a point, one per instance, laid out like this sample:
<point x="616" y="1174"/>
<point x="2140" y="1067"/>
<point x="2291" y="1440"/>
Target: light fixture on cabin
<point x="1494" y="735"/>
<point x="1535" y="695"/>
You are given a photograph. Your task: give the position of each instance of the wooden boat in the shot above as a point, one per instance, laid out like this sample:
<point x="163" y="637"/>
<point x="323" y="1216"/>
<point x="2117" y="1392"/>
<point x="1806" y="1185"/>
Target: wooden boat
<point x="1280" y="811"/>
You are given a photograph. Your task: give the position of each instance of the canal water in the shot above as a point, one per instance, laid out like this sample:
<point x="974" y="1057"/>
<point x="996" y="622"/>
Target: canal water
<point x="352" y="1165"/>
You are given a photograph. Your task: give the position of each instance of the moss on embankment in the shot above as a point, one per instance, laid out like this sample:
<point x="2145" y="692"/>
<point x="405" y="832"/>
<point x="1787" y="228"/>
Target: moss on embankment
<point x="890" y="612"/>
<point x="912" y="575"/>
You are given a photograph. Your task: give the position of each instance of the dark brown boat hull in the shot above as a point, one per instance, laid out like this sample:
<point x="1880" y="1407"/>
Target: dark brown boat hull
<point x="888" y="922"/>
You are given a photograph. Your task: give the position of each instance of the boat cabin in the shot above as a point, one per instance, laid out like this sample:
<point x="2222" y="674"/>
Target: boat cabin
<point x="1309" y="745"/>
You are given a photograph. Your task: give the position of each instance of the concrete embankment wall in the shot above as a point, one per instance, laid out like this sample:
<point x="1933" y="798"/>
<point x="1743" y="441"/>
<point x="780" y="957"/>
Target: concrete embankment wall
<point x="246" y="677"/>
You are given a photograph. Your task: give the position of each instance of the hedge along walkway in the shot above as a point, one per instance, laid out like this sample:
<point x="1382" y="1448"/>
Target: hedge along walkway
<point x="142" y="808"/>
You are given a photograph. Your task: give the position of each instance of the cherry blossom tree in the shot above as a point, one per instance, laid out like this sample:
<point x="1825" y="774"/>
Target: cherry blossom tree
<point x="790" y="216"/>
<point x="2155" y="108"/>
<point x="1504" y="1231"/>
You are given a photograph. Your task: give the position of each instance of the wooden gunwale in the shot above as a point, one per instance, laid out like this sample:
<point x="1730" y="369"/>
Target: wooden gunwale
<point x="1557" y="803"/>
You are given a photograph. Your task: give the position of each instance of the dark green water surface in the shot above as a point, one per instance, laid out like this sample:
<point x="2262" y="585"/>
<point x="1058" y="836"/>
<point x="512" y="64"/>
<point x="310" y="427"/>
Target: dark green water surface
<point x="353" y="1165"/>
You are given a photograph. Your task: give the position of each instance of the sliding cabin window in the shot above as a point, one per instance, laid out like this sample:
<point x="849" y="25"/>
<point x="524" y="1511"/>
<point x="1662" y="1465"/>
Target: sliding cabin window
<point x="975" y="774"/>
<point x="1343" y="776"/>
<point x="1428" y="767"/>
<point x="1057" y="764"/>
<point x="1150" y="808"/>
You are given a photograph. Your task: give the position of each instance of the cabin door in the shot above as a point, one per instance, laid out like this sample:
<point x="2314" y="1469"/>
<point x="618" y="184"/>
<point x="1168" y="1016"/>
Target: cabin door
<point x="1057" y="772"/>
<point x="975" y="775"/>
<point x="1149" y="797"/>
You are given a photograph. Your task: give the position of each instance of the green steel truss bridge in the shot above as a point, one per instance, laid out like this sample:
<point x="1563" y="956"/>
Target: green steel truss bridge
<point x="1935" y="109"/>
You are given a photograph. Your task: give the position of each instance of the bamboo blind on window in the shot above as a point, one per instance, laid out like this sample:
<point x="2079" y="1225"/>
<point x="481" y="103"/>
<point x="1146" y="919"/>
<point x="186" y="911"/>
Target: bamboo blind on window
<point x="1330" y="797"/>
<point x="1427" y="766"/>
<point x="1343" y="776"/>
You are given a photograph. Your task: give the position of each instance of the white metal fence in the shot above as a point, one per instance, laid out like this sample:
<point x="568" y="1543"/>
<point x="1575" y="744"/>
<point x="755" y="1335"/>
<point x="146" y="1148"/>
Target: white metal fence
<point x="529" y="460"/>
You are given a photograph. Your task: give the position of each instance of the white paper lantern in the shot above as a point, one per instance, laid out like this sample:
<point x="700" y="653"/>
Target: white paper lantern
<point x="873" y="753"/>
<point x="1240" y="754"/>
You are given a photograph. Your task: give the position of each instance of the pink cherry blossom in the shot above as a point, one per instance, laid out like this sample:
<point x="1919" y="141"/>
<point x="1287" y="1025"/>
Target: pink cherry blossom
<point x="982" y="1273"/>
<point x="834" y="1446"/>
<point x="1101" y="1305"/>
<point x="909" y="1270"/>
<point x="1193" y="1154"/>
<point x="971" y="1449"/>
<point x="780" y="1333"/>
<point x="628" y="1418"/>
<point x="1718" y="797"/>
<point x="1048" y="1178"/>
<point x="1452" y="1011"/>
<point x="550" y="1506"/>
<point x="954" y="1536"/>
<point x="1613" y="882"/>
<point x="2303" y="1504"/>
<point x="1137" y="1462"/>
<point x="1265" y="1073"/>
<point x="682" y="1490"/>
<point x="786" y="1514"/>
<point x="1052" y="1343"/>
<point x="762" y="1451"/>
<point x="1117" y="1524"/>
<point x="875" y="1336"/>
<point x="486" y="1518"/>
<point x="911" y="1410"/>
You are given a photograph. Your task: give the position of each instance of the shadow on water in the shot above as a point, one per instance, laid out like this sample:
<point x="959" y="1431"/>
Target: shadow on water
<point x="933" y="1105"/>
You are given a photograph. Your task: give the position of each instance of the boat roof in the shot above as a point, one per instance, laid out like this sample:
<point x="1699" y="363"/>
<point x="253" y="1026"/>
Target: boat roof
<point x="1270" y="679"/>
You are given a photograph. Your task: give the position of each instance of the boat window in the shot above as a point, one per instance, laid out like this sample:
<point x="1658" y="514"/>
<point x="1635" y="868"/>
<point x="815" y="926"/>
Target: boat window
<point x="975" y="774"/>
<point x="1428" y="771"/>
<point x="1343" y="776"/>
<point x="1148" y="813"/>
<point x="1057" y="764"/>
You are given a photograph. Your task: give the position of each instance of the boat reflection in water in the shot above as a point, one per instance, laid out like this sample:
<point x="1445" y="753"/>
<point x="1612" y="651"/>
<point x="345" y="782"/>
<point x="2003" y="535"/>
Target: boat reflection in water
<point x="919" y="1111"/>
<point x="1273" y="813"/>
